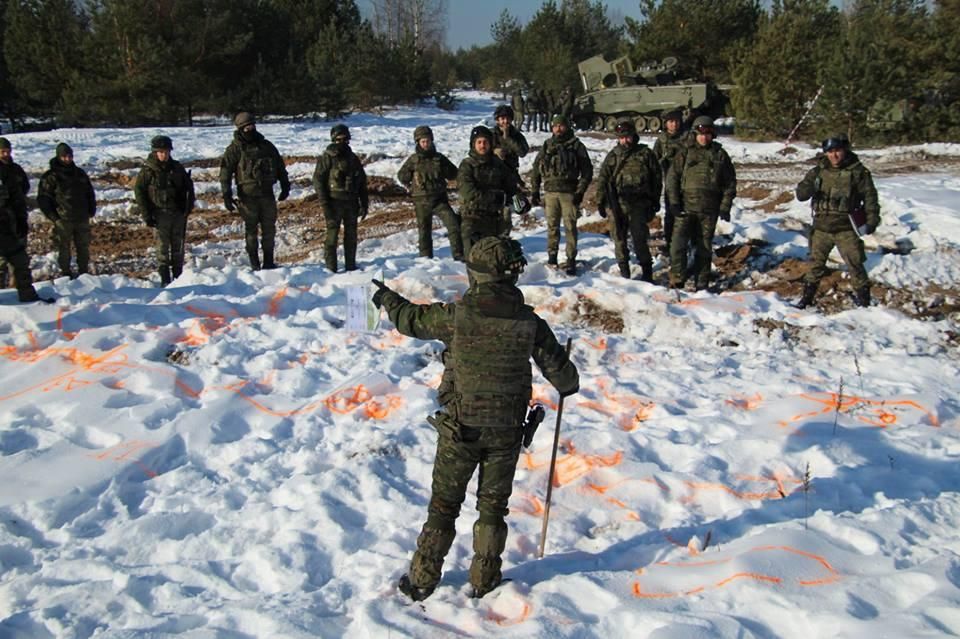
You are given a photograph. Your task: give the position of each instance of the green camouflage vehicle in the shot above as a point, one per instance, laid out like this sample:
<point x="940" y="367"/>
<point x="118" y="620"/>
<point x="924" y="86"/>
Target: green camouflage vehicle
<point x="616" y="90"/>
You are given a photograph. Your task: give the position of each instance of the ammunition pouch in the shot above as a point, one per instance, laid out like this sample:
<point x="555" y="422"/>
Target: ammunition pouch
<point x="444" y="423"/>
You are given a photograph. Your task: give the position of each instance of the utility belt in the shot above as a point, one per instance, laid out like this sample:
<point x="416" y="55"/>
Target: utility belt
<point x="445" y="423"/>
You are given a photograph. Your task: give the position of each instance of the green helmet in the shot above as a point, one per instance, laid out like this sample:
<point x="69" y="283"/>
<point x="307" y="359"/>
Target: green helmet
<point x="243" y="119"/>
<point x="161" y="142"/>
<point x="560" y="119"/>
<point x="338" y="131"/>
<point x="703" y="124"/>
<point x="422" y="131"/>
<point x="496" y="259"/>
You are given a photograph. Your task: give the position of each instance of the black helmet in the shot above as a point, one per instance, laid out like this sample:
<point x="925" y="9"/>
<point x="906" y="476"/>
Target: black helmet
<point x="838" y="141"/>
<point x="503" y="110"/>
<point x="339" y="131"/>
<point x="496" y="259"/>
<point x="672" y="114"/>
<point x="422" y="131"/>
<point x="626" y="127"/>
<point x="480" y="132"/>
<point x="703" y="124"/>
<point x="243" y="119"/>
<point x="161" y="142"/>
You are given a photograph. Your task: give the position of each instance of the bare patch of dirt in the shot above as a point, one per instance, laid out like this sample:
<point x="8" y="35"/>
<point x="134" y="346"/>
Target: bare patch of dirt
<point x="595" y="316"/>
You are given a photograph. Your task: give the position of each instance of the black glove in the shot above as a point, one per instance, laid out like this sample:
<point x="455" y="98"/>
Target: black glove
<point x="363" y="213"/>
<point x="577" y="199"/>
<point x="284" y="192"/>
<point x="535" y="199"/>
<point x="570" y="392"/>
<point x="151" y="221"/>
<point x="602" y="210"/>
<point x="725" y="216"/>
<point x="870" y="228"/>
<point x="228" y="201"/>
<point x="377" y="298"/>
<point x="675" y="210"/>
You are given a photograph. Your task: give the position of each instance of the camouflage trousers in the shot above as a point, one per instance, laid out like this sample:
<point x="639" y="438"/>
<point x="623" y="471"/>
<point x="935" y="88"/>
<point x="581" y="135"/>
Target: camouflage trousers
<point x="699" y="229"/>
<point x="495" y="451"/>
<point x="345" y="213"/>
<point x="171" y="233"/>
<point x="474" y="228"/>
<point x="426" y="209"/>
<point x="634" y="222"/>
<point x="69" y="235"/>
<point x="559" y="207"/>
<point x="850" y="247"/>
<point x="259" y="215"/>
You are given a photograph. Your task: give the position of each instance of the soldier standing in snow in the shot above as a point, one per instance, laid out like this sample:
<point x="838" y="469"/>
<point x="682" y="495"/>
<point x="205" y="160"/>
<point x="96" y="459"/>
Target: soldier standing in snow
<point x="425" y="174"/>
<point x="842" y="189"/>
<point x="509" y="145"/>
<point x="490" y="337"/>
<point x="18" y="185"/>
<point x="66" y="198"/>
<point x="256" y="165"/>
<point x="341" y="186"/>
<point x="164" y="193"/>
<point x="486" y="185"/>
<point x="670" y="141"/>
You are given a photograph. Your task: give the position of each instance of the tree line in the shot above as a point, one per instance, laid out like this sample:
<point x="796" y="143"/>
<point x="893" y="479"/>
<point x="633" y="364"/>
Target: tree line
<point x="875" y="69"/>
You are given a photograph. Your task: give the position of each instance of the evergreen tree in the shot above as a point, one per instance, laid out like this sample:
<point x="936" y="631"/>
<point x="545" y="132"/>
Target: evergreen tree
<point x="505" y="62"/>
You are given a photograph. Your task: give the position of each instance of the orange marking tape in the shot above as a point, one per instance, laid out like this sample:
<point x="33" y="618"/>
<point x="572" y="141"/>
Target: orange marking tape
<point x="501" y="620"/>
<point x="746" y="403"/>
<point x="600" y="344"/>
<point x="832" y="575"/>
<point x="123" y="451"/>
<point x="530" y="505"/>
<point x="543" y="395"/>
<point x="345" y="400"/>
<point x="273" y="307"/>
<point x="379" y="410"/>
<point x="832" y="403"/>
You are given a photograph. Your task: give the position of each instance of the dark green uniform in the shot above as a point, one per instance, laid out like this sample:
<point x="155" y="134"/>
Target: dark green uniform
<point x="634" y="173"/>
<point x="486" y="184"/>
<point x="13" y="245"/>
<point x="490" y="336"/>
<point x="701" y="186"/>
<point x="165" y="195"/>
<point x="425" y="174"/>
<point x="519" y="107"/>
<point x="341" y="186"/>
<point x="256" y="165"/>
<point x="18" y="185"/>
<point x="510" y="146"/>
<point x="563" y="167"/>
<point x="66" y="198"/>
<point x="666" y="148"/>
<point x="836" y="192"/>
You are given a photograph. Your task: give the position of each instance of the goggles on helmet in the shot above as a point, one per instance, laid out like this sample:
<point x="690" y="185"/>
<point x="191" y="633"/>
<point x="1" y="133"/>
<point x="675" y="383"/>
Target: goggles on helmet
<point x="834" y="143"/>
<point x="705" y="129"/>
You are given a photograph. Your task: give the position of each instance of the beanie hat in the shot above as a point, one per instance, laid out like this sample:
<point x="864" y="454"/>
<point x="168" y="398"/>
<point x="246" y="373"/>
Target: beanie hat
<point x="422" y="131"/>
<point x="5" y="143"/>
<point x="63" y="149"/>
<point x="480" y="132"/>
<point x="161" y="142"/>
<point x="243" y="119"/>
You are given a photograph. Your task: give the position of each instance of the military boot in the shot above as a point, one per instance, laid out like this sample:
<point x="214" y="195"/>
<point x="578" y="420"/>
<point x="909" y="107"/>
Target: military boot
<point x="552" y="259"/>
<point x="646" y="273"/>
<point x="164" y="275"/>
<point x="5" y="278"/>
<point x="862" y="296"/>
<point x="176" y="270"/>
<point x="426" y="566"/>
<point x="809" y="292"/>
<point x="624" y="269"/>
<point x="489" y="540"/>
<point x="268" y="259"/>
<point x="414" y="592"/>
<point x="254" y="260"/>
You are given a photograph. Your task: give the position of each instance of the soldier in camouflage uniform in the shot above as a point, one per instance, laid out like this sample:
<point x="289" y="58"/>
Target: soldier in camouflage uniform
<point x="509" y="145"/>
<point x="519" y="108"/>
<point x="256" y="165"/>
<point x="341" y="186"/>
<point x="164" y="193"/>
<point x="701" y="186"/>
<point x="564" y="167"/>
<point x="631" y="173"/>
<point x="13" y="237"/>
<point x="490" y="336"/>
<point x="66" y="198"/>
<point x="670" y="141"/>
<point x="13" y="175"/>
<point x="533" y="109"/>
<point x="839" y="186"/>
<point x="425" y="174"/>
<point x="486" y="185"/>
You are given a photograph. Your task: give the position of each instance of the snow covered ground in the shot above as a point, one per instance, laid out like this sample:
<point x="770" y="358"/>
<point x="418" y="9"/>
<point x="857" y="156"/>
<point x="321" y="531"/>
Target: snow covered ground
<point x="224" y="459"/>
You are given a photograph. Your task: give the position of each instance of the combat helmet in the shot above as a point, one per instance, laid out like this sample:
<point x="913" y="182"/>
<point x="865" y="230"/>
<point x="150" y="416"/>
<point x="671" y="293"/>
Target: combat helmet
<point x="422" y="131"/>
<point x="626" y="127"/>
<point x="480" y="132"/>
<point x="338" y="131"/>
<point x="161" y="142"/>
<point x="703" y="124"/>
<point x="243" y="119"/>
<point x="4" y="143"/>
<point x="496" y="259"/>
<point x="838" y="141"/>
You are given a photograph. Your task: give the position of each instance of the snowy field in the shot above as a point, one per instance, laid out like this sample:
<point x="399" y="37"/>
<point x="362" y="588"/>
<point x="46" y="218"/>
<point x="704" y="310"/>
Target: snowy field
<point x="224" y="459"/>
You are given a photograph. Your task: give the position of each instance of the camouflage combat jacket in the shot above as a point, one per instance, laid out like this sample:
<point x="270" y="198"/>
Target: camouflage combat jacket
<point x="18" y="185"/>
<point x="838" y="191"/>
<point x="256" y="165"/>
<point x="65" y="191"/>
<point x="635" y="174"/>
<point x="425" y="174"/>
<point x="339" y="175"/>
<point x="163" y="188"/>
<point x="702" y="180"/>
<point x="485" y="184"/>
<point x="563" y="166"/>
<point x="667" y="146"/>
<point x="514" y="146"/>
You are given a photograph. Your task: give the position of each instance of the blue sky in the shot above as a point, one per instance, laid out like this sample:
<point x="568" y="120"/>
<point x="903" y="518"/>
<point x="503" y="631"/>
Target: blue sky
<point x="470" y="20"/>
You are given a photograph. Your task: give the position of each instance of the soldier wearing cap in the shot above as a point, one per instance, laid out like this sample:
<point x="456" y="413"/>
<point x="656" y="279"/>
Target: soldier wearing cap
<point x="845" y="205"/>
<point x="425" y="175"/>
<point x="486" y="184"/>
<point x="509" y="144"/>
<point x="563" y="167"/>
<point x="669" y="143"/>
<point x="165" y="195"/>
<point x="701" y="185"/>
<point x="18" y="185"/>
<point x="66" y="197"/>
<point x="341" y="186"/>
<point x="630" y="182"/>
<point x="489" y="337"/>
<point x="255" y="164"/>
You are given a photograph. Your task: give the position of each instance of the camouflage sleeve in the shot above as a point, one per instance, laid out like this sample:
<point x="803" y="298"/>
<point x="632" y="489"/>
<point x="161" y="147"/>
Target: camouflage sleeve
<point x="405" y="174"/>
<point x="470" y="192"/>
<point x="422" y="321"/>
<point x="871" y="203"/>
<point x="674" y="196"/>
<point x="282" y="176"/>
<point x="551" y="358"/>
<point x="807" y="187"/>
<point x="653" y="165"/>
<point x="604" y="176"/>
<point x="320" y="184"/>
<point x="728" y="184"/>
<point x="141" y="194"/>
<point x="362" y="185"/>
<point x="448" y="168"/>
<point x="535" y="173"/>
<point x="228" y="166"/>
<point x="46" y="196"/>
<point x="586" y="168"/>
<point x="517" y="143"/>
<point x="658" y="151"/>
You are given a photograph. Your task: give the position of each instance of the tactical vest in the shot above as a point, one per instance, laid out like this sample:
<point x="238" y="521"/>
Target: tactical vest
<point x="559" y="164"/>
<point x="428" y="177"/>
<point x="699" y="182"/>
<point x="491" y="364"/>
<point x="168" y="188"/>
<point x="257" y="170"/>
<point x="343" y="180"/>
<point x="836" y="195"/>
<point x="489" y="177"/>
<point x="632" y="179"/>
